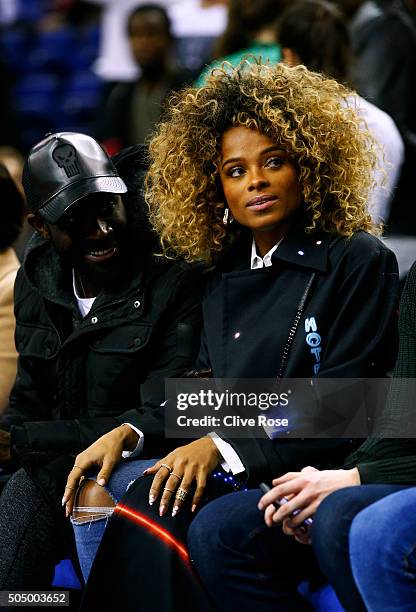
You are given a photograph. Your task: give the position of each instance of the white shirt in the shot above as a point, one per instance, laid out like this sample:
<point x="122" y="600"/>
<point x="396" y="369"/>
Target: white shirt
<point x="390" y="156"/>
<point x="262" y="262"/>
<point x="84" y="304"/>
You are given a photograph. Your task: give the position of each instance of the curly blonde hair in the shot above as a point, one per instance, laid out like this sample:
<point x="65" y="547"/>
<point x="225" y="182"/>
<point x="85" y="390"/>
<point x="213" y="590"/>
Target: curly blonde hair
<point x="309" y="114"/>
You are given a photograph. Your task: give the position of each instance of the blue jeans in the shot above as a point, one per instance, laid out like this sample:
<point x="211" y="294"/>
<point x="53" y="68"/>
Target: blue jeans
<point x="88" y="535"/>
<point x="244" y="564"/>
<point x="383" y="553"/>
<point x="330" y="538"/>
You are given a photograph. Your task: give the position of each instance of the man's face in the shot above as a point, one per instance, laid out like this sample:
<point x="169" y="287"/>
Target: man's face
<point x="91" y="234"/>
<point x="149" y="39"/>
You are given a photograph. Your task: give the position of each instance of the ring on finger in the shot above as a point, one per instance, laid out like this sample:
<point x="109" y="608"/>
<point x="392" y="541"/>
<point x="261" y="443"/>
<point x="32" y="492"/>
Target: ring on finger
<point x="77" y="466"/>
<point x="181" y="494"/>
<point x="176" y="476"/>
<point x="165" y="465"/>
<point x="67" y="487"/>
<point x="170" y="490"/>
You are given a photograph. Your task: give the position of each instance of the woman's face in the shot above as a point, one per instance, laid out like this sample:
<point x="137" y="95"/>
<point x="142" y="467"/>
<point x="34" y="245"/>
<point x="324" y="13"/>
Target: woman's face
<point x="259" y="183"/>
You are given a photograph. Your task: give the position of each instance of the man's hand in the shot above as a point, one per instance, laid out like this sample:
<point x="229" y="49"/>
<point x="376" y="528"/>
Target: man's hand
<point x="106" y="453"/>
<point x="176" y="473"/>
<point x="305" y="490"/>
<point x="4" y="447"/>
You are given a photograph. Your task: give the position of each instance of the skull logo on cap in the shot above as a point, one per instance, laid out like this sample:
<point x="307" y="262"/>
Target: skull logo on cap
<point x="65" y="156"/>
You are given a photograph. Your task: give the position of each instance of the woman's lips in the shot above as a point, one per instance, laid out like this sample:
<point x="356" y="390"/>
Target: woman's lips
<point x="261" y="202"/>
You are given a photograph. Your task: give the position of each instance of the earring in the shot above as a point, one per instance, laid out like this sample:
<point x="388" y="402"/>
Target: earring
<point x="227" y="217"/>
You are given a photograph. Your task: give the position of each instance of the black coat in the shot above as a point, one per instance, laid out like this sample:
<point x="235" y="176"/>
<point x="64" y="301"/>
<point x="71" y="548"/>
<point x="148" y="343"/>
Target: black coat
<point x="248" y="315"/>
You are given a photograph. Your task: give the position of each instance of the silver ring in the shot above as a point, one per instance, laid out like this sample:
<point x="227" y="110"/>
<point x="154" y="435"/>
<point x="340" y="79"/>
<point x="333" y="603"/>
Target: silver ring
<point x="181" y="494"/>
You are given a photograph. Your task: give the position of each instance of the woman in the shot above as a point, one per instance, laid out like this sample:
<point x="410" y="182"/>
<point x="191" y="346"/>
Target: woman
<point x="265" y="172"/>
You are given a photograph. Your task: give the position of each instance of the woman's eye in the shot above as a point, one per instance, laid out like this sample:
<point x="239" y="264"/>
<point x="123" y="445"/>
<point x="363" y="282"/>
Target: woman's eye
<point x="236" y="172"/>
<point x="274" y="162"/>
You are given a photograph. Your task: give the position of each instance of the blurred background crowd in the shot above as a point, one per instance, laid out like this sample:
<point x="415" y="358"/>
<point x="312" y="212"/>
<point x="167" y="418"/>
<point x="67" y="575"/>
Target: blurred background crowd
<point x="104" y="67"/>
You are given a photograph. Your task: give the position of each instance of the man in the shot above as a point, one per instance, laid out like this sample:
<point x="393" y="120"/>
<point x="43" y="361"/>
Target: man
<point x="100" y="324"/>
<point x="133" y="109"/>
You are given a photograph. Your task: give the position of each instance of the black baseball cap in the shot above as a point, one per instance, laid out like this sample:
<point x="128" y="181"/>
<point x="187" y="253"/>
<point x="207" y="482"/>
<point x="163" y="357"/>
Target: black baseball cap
<point x="62" y="169"/>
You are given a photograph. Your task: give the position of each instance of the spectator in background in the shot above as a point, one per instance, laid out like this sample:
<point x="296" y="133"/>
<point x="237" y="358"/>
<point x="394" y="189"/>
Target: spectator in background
<point x="13" y="160"/>
<point x="11" y="215"/>
<point x="133" y="109"/>
<point x="384" y="41"/>
<point x="250" y="31"/>
<point x="115" y="61"/>
<point x="314" y="33"/>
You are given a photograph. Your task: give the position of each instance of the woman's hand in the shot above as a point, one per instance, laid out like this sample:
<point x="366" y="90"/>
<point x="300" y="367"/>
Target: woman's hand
<point x="105" y="453"/>
<point x="177" y="471"/>
<point x="306" y="490"/>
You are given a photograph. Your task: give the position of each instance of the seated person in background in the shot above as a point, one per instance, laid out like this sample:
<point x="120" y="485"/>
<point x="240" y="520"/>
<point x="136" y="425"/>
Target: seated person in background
<point x="11" y="223"/>
<point x="249" y="32"/>
<point x="315" y="33"/>
<point x="132" y="110"/>
<point x="264" y="170"/>
<point x="14" y="160"/>
<point x="100" y="323"/>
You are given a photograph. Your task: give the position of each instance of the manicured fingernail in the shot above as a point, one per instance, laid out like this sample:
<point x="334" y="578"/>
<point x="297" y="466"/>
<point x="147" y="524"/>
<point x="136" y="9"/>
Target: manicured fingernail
<point x="144" y="471"/>
<point x="193" y="508"/>
<point x="63" y="500"/>
<point x="151" y="499"/>
<point x="175" y="510"/>
<point x="66" y="512"/>
<point x="101" y="482"/>
<point x="162" y="510"/>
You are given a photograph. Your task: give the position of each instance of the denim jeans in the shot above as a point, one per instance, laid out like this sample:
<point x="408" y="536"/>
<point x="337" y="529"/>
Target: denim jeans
<point x="383" y="553"/>
<point x="244" y="564"/>
<point x="330" y="538"/>
<point x="88" y="535"/>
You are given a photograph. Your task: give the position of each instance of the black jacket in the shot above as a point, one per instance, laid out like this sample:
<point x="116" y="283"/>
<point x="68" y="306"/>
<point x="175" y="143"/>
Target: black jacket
<point x="353" y="301"/>
<point x="78" y="378"/>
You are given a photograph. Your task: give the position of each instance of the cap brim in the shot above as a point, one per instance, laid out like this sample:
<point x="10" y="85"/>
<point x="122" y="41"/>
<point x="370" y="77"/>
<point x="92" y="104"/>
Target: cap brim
<point x="72" y="193"/>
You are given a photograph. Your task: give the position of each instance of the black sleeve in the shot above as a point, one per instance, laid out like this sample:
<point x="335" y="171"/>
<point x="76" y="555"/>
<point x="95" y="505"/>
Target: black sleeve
<point x="363" y="332"/>
<point x="178" y="336"/>
<point x="394" y="460"/>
